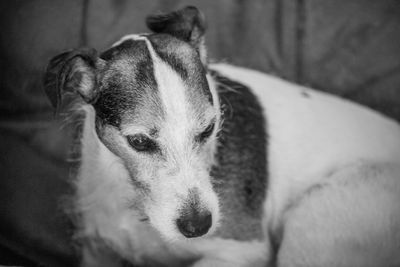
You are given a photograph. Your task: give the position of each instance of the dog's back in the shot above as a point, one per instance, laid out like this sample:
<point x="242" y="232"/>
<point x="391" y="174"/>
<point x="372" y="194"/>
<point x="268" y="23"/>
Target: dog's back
<point x="353" y="219"/>
<point x="334" y="176"/>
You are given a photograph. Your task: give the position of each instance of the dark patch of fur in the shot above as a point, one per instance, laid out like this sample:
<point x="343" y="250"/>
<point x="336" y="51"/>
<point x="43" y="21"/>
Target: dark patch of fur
<point x="188" y="65"/>
<point x="160" y="45"/>
<point x="187" y="24"/>
<point x="241" y="172"/>
<point x="122" y="93"/>
<point x="64" y="74"/>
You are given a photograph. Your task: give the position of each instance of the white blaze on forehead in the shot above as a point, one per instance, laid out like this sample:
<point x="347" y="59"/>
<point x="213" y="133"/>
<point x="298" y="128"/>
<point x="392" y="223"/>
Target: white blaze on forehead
<point x="171" y="89"/>
<point x="172" y="93"/>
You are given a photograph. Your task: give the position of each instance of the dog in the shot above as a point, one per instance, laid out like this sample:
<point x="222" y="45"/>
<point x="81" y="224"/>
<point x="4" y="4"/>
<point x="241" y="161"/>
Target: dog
<point x="186" y="163"/>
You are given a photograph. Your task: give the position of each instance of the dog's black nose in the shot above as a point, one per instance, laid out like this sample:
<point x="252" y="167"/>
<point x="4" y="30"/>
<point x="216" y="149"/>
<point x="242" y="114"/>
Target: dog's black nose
<point x="194" y="223"/>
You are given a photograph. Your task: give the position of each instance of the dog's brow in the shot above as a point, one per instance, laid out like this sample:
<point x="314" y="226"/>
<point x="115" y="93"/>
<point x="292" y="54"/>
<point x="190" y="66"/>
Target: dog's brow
<point x="132" y="129"/>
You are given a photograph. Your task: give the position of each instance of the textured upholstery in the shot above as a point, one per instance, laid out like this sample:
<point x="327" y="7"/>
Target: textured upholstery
<point x="348" y="47"/>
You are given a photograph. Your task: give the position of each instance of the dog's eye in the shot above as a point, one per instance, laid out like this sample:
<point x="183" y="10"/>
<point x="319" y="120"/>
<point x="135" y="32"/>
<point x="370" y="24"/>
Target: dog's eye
<point x="141" y="142"/>
<point x="207" y="132"/>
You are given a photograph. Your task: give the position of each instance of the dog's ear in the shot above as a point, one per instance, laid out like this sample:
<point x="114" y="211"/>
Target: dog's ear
<point x="72" y="71"/>
<point x="187" y="24"/>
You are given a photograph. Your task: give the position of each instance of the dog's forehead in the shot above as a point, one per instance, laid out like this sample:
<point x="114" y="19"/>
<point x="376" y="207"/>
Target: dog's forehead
<point x="129" y="86"/>
<point x="178" y="54"/>
<point x="184" y="59"/>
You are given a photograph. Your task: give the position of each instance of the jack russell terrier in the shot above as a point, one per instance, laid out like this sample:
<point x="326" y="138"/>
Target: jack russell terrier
<point x="189" y="163"/>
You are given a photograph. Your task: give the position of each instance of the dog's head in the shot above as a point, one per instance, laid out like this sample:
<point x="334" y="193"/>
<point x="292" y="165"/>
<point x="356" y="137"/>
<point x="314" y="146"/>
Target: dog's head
<point x="158" y="111"/>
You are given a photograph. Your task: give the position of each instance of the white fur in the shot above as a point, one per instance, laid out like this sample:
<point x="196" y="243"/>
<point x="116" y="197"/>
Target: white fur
<point x="173" y="96"/>
<point x="353" y="220"/>
<point x="311" y="138"/>
<point x="332" y="165"/>
<point x="134" y="36"/>
<point x="102" y="200"/>
<point x="218" y="252"/>
<point x="105" y="192"/>
<point x="102" y="197"/>
<point x="180" y="120"/>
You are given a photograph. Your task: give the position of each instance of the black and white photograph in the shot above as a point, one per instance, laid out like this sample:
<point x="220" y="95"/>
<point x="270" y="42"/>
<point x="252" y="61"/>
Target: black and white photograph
<point x="189" y="133"/>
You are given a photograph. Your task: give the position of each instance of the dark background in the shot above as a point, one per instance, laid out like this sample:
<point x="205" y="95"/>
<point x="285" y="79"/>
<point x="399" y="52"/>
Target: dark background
<point x="347" y="47"/>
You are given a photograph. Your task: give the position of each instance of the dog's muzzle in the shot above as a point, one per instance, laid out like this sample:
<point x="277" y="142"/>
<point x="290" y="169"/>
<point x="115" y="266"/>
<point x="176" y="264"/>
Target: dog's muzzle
<point x="194" y="220"/>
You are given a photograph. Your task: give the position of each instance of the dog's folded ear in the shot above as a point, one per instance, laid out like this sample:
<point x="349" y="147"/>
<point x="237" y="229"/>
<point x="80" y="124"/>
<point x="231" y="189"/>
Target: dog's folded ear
<point x="187" y="24"/>
<point x="72" y="71"/>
